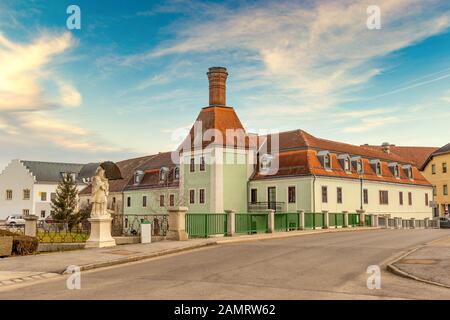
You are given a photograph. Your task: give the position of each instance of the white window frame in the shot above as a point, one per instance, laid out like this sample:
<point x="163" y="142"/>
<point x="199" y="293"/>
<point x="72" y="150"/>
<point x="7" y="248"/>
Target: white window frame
<point x="204" y="196"/>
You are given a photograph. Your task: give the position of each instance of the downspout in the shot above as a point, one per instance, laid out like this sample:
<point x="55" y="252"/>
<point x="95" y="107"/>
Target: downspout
<point x="314" y="194"/>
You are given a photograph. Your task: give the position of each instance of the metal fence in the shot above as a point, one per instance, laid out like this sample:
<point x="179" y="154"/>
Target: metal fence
<point x="336" y="220"/>
<point x="63" y="231"/>
<point x="19" y="229"/>
<point x="206" y="224"/>
<point x="130" y="224"/>
<point x="251" y="223"/>
<point x="287" y="221"/>
<point x="353" y="219"/>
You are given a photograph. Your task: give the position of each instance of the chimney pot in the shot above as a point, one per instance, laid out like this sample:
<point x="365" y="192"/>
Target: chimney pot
<point x="217" y="77"/>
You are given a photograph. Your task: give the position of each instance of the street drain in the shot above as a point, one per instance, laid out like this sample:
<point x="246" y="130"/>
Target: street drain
<point x="418" y="261"/>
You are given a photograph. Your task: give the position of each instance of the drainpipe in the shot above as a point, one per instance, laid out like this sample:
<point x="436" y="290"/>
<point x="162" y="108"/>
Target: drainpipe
<point x="314" y="194"/>
<point x="361" y="191"/>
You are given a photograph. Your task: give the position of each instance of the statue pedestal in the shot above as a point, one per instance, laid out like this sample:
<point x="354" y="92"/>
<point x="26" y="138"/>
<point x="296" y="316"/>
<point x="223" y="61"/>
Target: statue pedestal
<point x="100" y="233"/>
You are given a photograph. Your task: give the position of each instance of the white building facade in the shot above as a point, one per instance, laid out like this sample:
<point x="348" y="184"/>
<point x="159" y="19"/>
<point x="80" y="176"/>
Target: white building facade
<point x="27" y="187"/>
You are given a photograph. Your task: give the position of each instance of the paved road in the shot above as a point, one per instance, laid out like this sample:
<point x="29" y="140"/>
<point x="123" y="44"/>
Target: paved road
<point x="325" y="266"/>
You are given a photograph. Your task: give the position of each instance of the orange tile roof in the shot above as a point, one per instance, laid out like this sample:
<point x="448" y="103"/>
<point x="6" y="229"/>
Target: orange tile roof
<point x="414" y="155"/>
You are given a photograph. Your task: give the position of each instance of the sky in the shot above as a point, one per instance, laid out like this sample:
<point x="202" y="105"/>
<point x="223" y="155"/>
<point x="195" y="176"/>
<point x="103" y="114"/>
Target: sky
<point x="134" y="75"/>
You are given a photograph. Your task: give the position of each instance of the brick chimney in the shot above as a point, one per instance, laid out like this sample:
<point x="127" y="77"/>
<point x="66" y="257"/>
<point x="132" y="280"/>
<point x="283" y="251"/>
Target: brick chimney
<point x="217" y="77"/>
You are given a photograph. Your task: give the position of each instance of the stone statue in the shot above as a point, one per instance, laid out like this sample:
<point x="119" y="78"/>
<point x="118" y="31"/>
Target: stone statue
<point x="100" y="191"/>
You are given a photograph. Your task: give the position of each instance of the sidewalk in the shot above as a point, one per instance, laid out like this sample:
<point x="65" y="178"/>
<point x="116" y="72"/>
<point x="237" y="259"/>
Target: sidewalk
<point x="46" y="265"/>
<point x="429" y="263"/>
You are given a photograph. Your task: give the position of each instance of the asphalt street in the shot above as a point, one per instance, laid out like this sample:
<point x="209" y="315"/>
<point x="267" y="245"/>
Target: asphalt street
<point x="322" y="266"/>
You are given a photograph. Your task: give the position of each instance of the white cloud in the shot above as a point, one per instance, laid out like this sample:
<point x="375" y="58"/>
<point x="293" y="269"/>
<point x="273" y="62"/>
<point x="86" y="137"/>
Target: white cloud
<point x="25" y="66"/>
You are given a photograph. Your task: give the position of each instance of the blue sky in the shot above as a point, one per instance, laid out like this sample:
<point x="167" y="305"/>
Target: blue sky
<point x="135" y="74"/>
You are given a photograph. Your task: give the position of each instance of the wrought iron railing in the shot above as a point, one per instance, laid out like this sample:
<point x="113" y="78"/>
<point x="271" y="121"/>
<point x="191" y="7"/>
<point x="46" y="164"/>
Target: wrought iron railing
<point x="264" y="206"/>
<point x="130" y="224"/>
<point x="63" y="231"/>
<point x="19" y="229"/>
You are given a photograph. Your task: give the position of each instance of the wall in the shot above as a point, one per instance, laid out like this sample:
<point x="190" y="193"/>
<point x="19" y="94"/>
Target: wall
<point x="439" y="179"/>
<point x="16" y="178"/>
<point x="117" y="208"/>
<point x="302" y="191"/>
<point x="152" y="200"/>
<point x="352" y="192"/>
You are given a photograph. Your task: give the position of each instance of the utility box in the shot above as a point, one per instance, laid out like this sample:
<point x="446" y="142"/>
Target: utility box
<point x="146" y="231"/>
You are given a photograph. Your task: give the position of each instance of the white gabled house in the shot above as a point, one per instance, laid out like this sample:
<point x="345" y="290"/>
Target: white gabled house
<point x="27" y="187"/>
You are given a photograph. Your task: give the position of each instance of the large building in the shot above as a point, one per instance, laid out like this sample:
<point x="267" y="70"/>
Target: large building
<point x="220" y="166"/>
<point x="27" y="187"/>
<point x="436" y="170"/>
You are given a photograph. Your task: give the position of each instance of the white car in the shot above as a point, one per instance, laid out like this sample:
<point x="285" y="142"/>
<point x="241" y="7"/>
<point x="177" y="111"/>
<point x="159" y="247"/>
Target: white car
<point x="14" y="220"/>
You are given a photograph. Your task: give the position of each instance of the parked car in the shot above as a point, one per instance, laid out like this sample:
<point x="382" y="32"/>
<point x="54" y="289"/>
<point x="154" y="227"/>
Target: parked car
<point x="14" y="220"/>
<point x="49" y="219"/>
<point x="444" y="223"/>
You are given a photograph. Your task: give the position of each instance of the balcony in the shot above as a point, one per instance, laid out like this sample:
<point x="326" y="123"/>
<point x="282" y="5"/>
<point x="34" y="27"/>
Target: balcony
<point x="264" y="206"/>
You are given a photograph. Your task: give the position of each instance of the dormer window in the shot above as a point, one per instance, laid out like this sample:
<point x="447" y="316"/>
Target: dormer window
<point x="138" y="175"/>
<point x="265" y="163"/>
<point x="176" y="173"/>
<point x="358" y="164"/>
<point x="408" y="171"/>
<point x="163" y="174"/>
<point x="395" y="168"/>
<point x="345" y="161"/>
<point x="325" y="158"/>
<point x="376" y="166"/>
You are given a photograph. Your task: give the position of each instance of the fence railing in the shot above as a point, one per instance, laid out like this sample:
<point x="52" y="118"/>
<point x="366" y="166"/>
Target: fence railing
<point x="63" y="231"/>
<point x="287" y="221"/>
<point x="353" y="219"/>
<point x="130" y="224"/>
<point x="336" y="220"/>
<point x="251" y="223"/>
<point x="206" y="224"/>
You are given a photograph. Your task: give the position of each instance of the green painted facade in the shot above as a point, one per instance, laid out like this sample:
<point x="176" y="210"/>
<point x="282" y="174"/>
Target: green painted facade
<point x="152" y="202"/>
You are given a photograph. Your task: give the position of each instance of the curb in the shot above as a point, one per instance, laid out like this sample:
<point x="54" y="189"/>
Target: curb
<point x="295" y="234"/>
<point x="138" y="258"/>
<point x="399" y="272"/>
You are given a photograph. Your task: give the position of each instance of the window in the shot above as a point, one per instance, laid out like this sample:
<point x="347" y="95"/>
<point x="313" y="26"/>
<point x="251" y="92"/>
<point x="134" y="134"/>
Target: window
<point x="43" y="196"/>
<point x="114" y="201"/>
<point x="433" y="169"/>
<point x="384" y="197"/>
<point x="266" y="162"/>
<point x="359" y="166"/>
<point x="26" y="212"/>
<point x="434" y="191"/>
<point x="128" y="202"/>
<point x="177" y="173"/>
<point x="172" y="200"/>
<point x="444" y="167"/>
<point x="192" y="165"/>
<point x="254" y="195"/>
<point x="163" y="174"/>
<point x="347" y="164"/>
<point x="426" y="199"/>
<point x="339" y="194"/>
<point x="144" y="201"/>
<point x="161" y="200"/>
<point x="9" y="195"/>
<point x="291" y="194"/>
<point x="191" y="196"/>
<point x="327" y="161"/>
<point x="26" y="194"/>
<point x="52" y="196"/>
<point x="202" y="195"/>
<point x="365" y="196"/>
<point x="410" y="198"/>
<point x="445" y="190"/>
<point x="396" y="171"/>
<point x="202" y="163"/>
<point x="378" y="168"/>
<point x="324" y="194"/>
<point x="42" y="213"/>
<point x="400" y="198"/>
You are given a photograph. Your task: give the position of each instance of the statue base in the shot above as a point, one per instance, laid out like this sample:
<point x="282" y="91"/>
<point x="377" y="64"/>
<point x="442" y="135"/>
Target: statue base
<point x="100" y="236"/>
